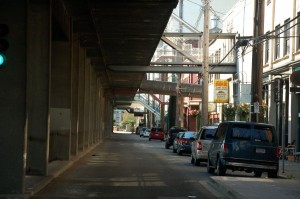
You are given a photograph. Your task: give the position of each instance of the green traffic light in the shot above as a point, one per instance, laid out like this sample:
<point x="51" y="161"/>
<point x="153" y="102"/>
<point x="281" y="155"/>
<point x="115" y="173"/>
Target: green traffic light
<point x="2" y="60"/>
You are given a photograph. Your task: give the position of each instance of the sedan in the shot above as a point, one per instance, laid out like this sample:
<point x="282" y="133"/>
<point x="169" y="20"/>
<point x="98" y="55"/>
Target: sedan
<point x="176" y="140"/>
<point x="146" y="132"/>
<point x="184" y="143"/>
<point x="157" y="133"/>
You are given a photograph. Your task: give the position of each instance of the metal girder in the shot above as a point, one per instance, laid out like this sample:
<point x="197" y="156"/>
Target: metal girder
<point x="170" y="88"/>
<point x="220" y="69"/>
<point x="195" y="35"/>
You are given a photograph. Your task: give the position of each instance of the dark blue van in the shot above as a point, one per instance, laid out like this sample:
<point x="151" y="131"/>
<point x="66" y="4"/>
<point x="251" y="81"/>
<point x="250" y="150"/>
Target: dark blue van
<point x="244" y="146"/>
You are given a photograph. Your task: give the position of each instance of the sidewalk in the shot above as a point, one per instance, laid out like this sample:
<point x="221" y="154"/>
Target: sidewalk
<point x="286" y="186"/>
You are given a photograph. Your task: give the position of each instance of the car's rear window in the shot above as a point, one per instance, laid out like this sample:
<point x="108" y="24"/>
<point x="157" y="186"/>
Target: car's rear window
<point x="189" y="134"/>
<point x="263" y="134"/>
<point x="208" y="134"/>
<point x="175" y="131"/>
<point x="156" y="129"/>
<point x="241" y="132"/>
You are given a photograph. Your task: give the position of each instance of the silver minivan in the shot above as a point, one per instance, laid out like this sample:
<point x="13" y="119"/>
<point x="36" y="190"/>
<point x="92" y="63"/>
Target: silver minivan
<point x="201" y="144"/>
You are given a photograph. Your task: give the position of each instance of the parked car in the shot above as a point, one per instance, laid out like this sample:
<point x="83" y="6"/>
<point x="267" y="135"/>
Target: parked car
<point x="142" y="131"/>
<point x="243" y="146"/>
<point x="157" y="133"/>
<point x="176" y="140"/>
<point x="184" y="142"/>
<point x="146" y="132"/>
<point x="201" y="144"/>
<point x="173" y="131"/>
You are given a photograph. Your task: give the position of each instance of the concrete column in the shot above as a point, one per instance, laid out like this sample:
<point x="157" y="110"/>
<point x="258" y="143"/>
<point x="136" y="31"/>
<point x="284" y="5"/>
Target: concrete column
<point x="81" y="91"/>
<point x="74" y="95"/>
<point x="97" y="116"/>
<point x="109" y="123"/>
<point x="92" y="107"/>
<point x="101" y="113"/>
<point x="13" y="136"/>
<point x="87" y="104"/>
<point x="162" y="115"/>
<point x="61" y="100"/>
<point x="38" y="86"/>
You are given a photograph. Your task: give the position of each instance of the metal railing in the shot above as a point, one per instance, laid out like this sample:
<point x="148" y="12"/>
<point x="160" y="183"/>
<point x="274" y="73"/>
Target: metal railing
<point x="148" y="102"/>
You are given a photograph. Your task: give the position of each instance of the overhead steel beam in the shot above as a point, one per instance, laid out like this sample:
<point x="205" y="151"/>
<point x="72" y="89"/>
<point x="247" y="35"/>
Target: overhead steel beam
<point x="170" y="88"/>
<point x="220" y="69"/>
<point x="211" y="35"/>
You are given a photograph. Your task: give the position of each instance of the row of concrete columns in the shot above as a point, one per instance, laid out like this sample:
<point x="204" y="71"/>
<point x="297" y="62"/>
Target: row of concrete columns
<point x="52" y="103"/>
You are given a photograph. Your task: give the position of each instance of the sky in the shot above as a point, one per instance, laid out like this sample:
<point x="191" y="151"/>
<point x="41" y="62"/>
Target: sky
<point x="192" y="8"/>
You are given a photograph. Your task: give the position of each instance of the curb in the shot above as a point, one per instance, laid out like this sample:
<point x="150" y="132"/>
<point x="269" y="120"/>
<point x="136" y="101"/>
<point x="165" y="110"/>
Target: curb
<point x="223" y="189"/>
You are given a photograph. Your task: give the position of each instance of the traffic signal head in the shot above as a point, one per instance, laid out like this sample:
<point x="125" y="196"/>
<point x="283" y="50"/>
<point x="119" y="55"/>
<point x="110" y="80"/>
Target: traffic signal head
<point x="3" y="44"/>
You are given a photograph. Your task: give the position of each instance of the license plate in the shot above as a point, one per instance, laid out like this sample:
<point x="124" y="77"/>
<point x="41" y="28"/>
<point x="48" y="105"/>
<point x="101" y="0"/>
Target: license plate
<point x="258" y="150"/>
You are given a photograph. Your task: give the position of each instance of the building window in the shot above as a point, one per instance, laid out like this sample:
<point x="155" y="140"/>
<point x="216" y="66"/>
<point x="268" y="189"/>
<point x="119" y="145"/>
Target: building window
<point x="277" y="42"/>
<point x="286" y="47"/>
<point x="298" y="31"/>
<point x="267" y="48"/>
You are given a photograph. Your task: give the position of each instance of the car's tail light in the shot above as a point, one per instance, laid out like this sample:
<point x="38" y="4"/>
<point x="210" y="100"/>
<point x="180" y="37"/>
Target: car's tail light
<point x="223" y="147"/>
<point x="278" y="152"/>
<point x="199" y="146"/>
<point x="184" y="141"/>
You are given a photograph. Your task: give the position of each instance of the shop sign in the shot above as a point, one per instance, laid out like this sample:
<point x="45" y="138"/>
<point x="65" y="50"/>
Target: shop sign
<point x="221" y="91"/>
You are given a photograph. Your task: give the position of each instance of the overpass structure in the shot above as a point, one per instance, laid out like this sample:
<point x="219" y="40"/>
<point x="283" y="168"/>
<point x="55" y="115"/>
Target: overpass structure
<point x="69" y="63"/>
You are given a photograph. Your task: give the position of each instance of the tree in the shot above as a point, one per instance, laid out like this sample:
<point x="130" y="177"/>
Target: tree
<point x="128" y="119"/>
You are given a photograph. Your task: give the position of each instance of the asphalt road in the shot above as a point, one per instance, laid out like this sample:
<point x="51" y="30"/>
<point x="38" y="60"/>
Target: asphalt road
<point x="127" y="166"/>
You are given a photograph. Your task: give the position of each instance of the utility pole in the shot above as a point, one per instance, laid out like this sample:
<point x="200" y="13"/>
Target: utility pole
<point x="179" y="108"/>
<point x="205" y="64"/>
<point x="257" y="59"/>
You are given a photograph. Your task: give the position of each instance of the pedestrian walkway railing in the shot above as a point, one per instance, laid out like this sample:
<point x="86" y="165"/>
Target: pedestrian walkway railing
<point x="148" y="102"/>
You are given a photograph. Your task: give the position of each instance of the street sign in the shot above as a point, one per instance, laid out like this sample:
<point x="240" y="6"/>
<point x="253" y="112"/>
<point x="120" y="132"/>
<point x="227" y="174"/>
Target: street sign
<point x="277" y="89"/>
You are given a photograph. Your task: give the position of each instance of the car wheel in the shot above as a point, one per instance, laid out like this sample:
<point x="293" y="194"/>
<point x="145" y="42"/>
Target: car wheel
<point x="179" y="152"/>
<point x="174" y="150"/>
<point x="197" y="162"/>
<point x="192" y="160"/>
<point x="167" y="146"/>
<point x="209" y="168"/>
<point x="272" y="174"/>
<point x="221" y="169"/>
<point x="257" y="174"/>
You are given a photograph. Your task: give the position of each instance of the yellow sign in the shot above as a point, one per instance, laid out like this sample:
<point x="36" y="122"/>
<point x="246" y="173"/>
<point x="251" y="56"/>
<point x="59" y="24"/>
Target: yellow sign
<point x="221" y="91"/>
